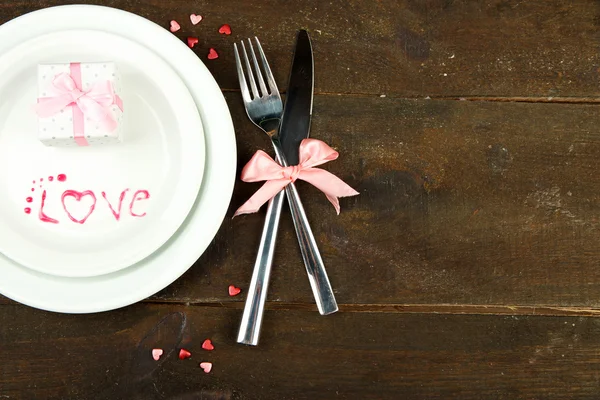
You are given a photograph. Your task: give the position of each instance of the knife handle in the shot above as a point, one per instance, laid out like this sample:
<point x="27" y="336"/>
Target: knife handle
<point x="257" y="292"/>
<point x="317" y="276"/>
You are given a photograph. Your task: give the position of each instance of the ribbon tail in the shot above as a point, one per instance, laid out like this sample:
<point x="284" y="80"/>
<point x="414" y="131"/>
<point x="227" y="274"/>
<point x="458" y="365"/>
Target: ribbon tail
<point x="328" y="183"/>
<point x="336" y="203"/>
<point x="262" y="195"/>
<point x="119" y="102"/>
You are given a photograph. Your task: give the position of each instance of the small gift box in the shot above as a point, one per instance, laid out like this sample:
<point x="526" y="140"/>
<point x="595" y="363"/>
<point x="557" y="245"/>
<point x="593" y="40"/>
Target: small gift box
<point x="79" y="104"/>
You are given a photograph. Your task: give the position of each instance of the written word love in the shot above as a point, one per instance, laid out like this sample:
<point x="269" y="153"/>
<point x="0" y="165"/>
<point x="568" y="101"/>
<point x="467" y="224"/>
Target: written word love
<point x="78" y="206"/>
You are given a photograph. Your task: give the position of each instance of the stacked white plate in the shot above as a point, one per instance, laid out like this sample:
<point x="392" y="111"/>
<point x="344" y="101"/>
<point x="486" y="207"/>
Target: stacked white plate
<point x="126" y="219"/>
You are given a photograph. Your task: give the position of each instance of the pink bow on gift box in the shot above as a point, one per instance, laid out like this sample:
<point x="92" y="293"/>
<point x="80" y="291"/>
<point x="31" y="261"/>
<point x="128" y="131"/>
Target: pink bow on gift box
<point x="94" y="103"/>
<point x="313" y="152"/>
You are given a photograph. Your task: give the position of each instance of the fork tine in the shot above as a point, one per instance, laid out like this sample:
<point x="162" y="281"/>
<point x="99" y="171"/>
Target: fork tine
<point x="259" y="74"/>
<point x="270" y="79"/>
<point x="241" y="76"/>
<point x="250" y="74"/>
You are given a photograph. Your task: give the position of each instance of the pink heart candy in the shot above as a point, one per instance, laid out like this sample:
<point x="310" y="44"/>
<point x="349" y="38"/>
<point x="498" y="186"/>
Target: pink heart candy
<point x="183" y="354"/>
<point x="192" y="41"/>
<point x="212" y="54"/>
<point x="225" y="29"/>
<point x="234" y="291"/>
<point x="195" y="18"/>
<point x="156" y="353"/>
<point x="175" y="26"/>
<point x="206" y="366"/>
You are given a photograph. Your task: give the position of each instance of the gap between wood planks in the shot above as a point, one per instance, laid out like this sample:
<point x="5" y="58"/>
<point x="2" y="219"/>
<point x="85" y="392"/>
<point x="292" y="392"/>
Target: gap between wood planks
<point x="467" y="309"/>
<point x="453" y="309"/>
<point x="514" y="99"/>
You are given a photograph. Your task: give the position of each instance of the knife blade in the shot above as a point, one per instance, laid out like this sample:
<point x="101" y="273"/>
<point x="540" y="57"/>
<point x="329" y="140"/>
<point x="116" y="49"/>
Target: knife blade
<point x="297" y="112"/>
<point x="294" y="127"/>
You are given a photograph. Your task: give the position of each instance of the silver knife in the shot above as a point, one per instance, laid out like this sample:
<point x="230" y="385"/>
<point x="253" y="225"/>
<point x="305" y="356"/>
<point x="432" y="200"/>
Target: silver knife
<point x="295" y="127"/>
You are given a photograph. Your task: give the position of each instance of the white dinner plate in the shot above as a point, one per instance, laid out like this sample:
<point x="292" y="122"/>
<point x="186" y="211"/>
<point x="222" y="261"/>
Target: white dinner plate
<point x="129" y="285"/>
<point x="114" y="204"/>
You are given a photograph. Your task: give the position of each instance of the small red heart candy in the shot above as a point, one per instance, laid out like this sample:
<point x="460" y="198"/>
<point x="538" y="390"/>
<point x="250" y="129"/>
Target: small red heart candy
<point x="206" y="366"/>
<point x="191" y="41"/>
<point x="175" y="26"/>
<point x="212" y="54"/>
<point x="195" y="18"/>
<point x="225" y="29"/>
<point x="234" y="291"/>
<point x="156" y="353"/>
<point x="183" y="354"/>
<point x="207" y="345"/>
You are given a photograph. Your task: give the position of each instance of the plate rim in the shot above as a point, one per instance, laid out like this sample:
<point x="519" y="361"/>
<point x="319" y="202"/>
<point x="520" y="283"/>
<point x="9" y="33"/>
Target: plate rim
<point x="223" y="140"/>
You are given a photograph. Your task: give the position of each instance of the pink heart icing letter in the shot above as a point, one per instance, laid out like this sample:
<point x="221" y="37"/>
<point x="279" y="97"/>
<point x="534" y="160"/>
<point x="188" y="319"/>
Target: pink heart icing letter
<point x="78" y="196"/>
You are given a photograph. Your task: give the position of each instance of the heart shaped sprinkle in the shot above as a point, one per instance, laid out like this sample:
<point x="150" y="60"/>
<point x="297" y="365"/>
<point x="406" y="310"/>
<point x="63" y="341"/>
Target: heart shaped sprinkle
<point x="195" y="18"/>
<point x="212" y="54"/>
<point x="234" y="291"/>
<point x="156" y="353"/>
<point x="191" y="41"/>
<point x="183" y="354"/>
<point x="175" y="26"/>
<point x="207" y="345"/>
<point x="206" y="366"/>
<point x="225" y="29"/>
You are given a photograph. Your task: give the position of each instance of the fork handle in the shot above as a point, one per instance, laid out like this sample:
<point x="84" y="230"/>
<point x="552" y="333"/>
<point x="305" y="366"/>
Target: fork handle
<point x="257" y="292"/>
<point x="317" y="276"/>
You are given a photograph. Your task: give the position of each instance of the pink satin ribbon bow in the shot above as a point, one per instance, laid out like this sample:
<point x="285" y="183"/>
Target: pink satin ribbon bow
<point x="93" y="103"/>
<point x="313" y="152"/>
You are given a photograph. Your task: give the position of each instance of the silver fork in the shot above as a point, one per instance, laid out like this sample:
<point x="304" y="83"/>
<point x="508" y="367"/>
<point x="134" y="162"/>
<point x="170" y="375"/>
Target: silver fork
<point x="264" y="109"/>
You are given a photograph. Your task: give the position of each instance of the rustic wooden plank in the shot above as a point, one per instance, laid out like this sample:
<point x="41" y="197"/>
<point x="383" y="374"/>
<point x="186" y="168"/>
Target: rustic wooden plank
<point x="302" y="356"/>
<point x="461" y="309"/>
<point x="461" y="203"/>
<point x="409" y="48"/>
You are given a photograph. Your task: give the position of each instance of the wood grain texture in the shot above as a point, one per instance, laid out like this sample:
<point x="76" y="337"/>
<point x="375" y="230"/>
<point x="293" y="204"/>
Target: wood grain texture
<point x="409" y="48"/>
<point x="474" y="218"/>
<point x="302" y="356"/>
<point x="461" y="203"/>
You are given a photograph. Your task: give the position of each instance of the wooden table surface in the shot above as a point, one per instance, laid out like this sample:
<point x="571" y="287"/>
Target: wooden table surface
<point x="468" y="267"/>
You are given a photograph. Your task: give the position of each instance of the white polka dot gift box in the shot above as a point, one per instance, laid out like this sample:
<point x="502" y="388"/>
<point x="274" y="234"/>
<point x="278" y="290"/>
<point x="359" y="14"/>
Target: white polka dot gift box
<point x="79" y="104"/>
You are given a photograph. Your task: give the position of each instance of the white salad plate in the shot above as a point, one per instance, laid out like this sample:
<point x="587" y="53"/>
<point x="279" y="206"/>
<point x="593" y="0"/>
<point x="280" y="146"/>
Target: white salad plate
<point x="114" y="204"/>
<point x="186" y="245"/>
